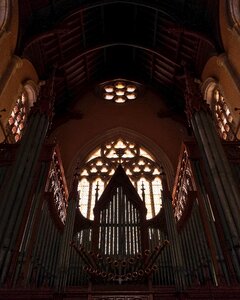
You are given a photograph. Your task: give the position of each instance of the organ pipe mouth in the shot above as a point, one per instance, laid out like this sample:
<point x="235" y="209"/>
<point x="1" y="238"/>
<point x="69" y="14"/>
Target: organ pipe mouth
<point x="124" y="263"/>
<point x="129" y="276"/>
<point x="104" y="274"/>
<point x="147" y="271"/>
<point x="154" y="268"/>
<point x="139" y="256"/>
<point x="140" y="273"/>
<point x="91" y="270"/>
<point x="115" y="263"/>
<point x="109" y="260"/>
<point x="99" y="256"/>
<point x="85" y="268"/>
<point x="135" y="275"/>
<point x="116" y="277"/>
<point x="98" y="272"/>
<point x="110" y="276"/>
<point x="147" y="252"/>
<point x="124" y="277"/>
<point x="131" y="260"/>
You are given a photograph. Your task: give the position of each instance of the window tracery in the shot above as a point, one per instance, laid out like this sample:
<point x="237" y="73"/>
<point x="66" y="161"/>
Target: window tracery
<point x="16" y="121"/>
<point x="222" y="115"/>
<point x="18" y="116"/>
<point x="138" y="164"/>
<point x="4" y="11"/>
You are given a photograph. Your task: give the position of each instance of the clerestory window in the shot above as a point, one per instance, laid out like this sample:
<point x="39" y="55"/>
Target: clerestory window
<point x="139" y="165"/>
<point x="223" y="118"/>
<point x="16" y="121"/>
<point x="4" y="12"/>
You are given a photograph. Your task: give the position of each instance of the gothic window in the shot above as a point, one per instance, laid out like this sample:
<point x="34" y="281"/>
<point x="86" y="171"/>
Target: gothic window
<point x="16" y="121"/>
<point x="3" y="13"/>
<point x="18" y="116"/>
<point x="222" y="115"/>
<point x="234" y="13"/>
<point x="138" y="164"/>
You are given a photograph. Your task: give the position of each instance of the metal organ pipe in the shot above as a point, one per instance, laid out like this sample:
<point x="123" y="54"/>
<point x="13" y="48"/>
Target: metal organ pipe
<point x="171" y="228"/>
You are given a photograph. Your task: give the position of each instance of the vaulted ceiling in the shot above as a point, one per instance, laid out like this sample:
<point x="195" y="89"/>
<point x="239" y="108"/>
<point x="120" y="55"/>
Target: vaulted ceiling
<point x="93" y="41"/>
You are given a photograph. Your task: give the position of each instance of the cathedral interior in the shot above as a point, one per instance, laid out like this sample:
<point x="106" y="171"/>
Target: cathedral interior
<point x="119" y="149"/>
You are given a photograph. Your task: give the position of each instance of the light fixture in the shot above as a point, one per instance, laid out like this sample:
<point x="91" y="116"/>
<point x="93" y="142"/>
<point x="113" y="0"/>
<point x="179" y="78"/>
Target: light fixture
<point x="131" y="96"/>
<point x="109" y="88"/>
<point x="131" y="88"/>
<point x="120" y="100"/>
<point x="109" y="96"/>
<point x="120" y="85"/>
<point x="120" y="90"/>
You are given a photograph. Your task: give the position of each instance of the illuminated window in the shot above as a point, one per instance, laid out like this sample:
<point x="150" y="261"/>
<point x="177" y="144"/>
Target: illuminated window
<point x="119" y="90"/>
<point x="3" y="13"/>
<point x="223" y="117"/>
<point x="138" y="164"/>
<point x="18" y="116"/>
<point x="16" y="121"/>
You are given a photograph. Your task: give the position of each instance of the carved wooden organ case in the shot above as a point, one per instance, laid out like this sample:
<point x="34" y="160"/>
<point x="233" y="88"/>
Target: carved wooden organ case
<point x="119" y="246"/>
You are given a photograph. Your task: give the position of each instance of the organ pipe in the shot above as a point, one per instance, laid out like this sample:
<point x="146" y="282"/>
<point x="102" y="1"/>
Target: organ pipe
<point x="172" y="232"/>
<point x="222" y="182"/>
<point x="64" y="255"/>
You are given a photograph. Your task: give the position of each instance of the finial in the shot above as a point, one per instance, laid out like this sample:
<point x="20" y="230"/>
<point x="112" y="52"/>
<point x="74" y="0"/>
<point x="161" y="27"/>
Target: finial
<point x="97" y="190"/>
<point x="143" y="192"/>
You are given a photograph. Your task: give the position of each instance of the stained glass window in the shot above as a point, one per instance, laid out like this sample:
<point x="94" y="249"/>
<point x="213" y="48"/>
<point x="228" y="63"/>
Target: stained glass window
<point x="223" y="118"/>
<point x="4" y="8"/>
<point x="17" y="119"/>
<point x="138" y="164"/>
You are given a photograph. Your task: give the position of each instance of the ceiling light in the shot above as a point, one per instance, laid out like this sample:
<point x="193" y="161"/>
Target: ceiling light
<point x="119" y="100"/>
<point x="108" y="96"/>
<point x="131" y="88"/>
<point x="120" y="92"/>
<point x="109" y="89"/>
<point x="131" y="96"/>
<point x="120" y="85"/>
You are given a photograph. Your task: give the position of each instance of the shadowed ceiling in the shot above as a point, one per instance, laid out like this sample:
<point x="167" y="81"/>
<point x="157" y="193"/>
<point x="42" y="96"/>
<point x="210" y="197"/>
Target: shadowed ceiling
<point x="94" y="41"/>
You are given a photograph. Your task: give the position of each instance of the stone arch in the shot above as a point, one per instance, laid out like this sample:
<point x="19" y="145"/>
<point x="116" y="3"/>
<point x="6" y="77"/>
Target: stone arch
<point x="160" y="156"/>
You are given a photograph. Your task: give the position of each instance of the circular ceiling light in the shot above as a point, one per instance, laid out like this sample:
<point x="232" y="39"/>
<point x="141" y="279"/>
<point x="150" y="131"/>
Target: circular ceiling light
<point x="131" y="96"/>
<point x="131" y="88"/>
<point x="120" y="85"/>
<point x="120" y="100"/>
<point x="109" y="89"/>
<point x="120" y="90"/>
<point x="108" y="96"/>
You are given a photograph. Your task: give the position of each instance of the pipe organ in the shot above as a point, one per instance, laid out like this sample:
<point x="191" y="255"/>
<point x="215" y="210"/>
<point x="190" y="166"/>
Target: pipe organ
<point x="119" y="228"/>
<point x="58" y="248"/>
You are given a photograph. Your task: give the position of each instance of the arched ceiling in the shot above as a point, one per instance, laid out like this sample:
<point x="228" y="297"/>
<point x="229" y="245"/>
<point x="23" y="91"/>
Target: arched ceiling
<point x="93" y="41"/>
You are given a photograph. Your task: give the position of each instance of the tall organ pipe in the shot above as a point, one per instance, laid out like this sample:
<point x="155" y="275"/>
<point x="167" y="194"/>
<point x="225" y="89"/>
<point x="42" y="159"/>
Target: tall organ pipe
<point x="173" y="235"/>
<point x="15" y="195"/>
<point x="222" y="182"/>
<point x="64" y="254"/>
